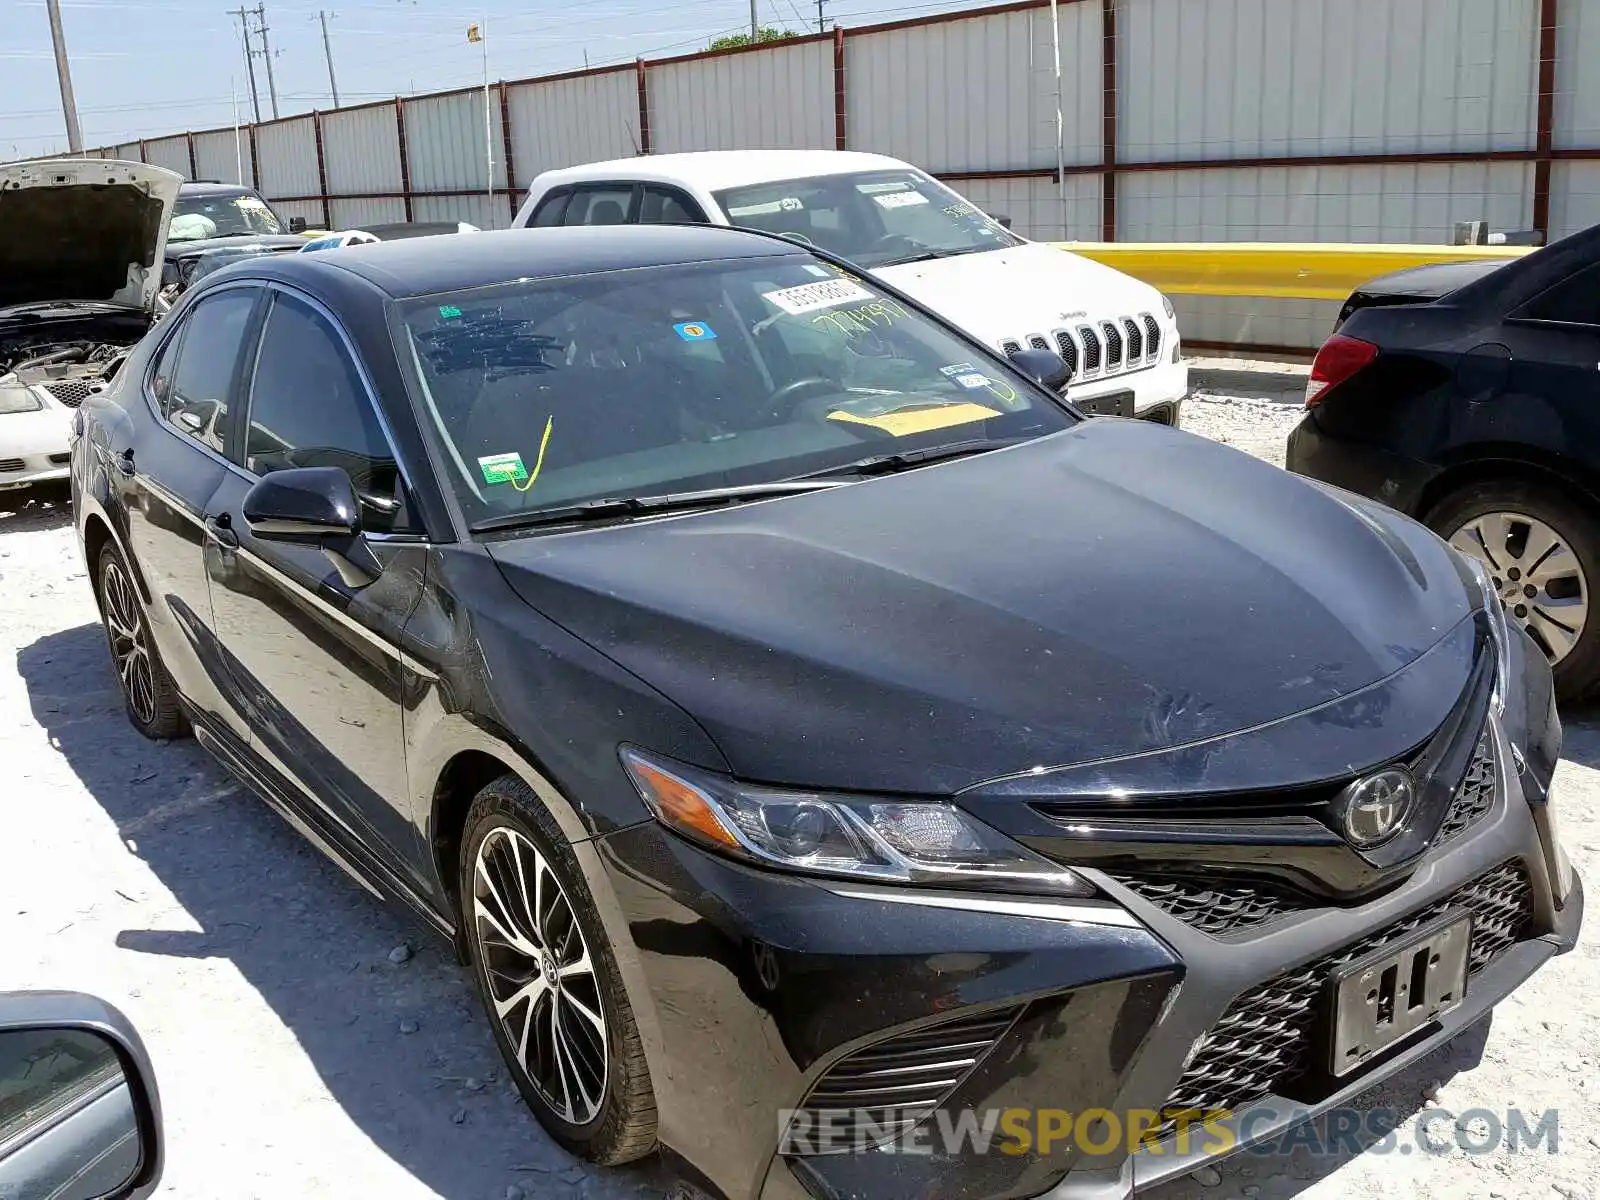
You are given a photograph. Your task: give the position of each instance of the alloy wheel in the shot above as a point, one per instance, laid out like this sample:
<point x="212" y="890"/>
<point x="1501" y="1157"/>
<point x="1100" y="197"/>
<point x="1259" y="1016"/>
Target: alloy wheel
<point x="541" y="975"/>
<point x="1537" y="575"/>
<point x="129" y="648"/>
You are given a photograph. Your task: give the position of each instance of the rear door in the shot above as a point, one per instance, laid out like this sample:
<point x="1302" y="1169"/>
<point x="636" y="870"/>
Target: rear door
<point x="1552" y="393"/>
<point x="313" y="643"/>
<point x="171" y="469"/>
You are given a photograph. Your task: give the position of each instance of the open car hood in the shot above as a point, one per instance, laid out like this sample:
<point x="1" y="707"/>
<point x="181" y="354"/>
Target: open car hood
<point x="83" y="229"/>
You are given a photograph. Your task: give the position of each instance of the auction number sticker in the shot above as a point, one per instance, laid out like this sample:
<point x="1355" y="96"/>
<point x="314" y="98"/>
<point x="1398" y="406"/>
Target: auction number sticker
<point x="809" y="297"/>
<point x="900" y="199"/>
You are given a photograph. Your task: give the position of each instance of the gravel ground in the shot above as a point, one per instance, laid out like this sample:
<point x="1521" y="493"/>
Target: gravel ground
<point x="298" y="1058"/>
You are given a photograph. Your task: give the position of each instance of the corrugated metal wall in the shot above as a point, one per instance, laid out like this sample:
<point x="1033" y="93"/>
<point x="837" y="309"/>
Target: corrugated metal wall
<point x="974" y="96"/>
<point x="171" y="153"/>
<point x="571" y="121"/>
<point x="1208" y="79"/>
<point x="445" y="142"/>
<point x="361" y="151"/>
<point x="977" y="94"/>
<point x="221" y="157"/>
<point x="288" y="166"/>
<point x="728" y="102"/>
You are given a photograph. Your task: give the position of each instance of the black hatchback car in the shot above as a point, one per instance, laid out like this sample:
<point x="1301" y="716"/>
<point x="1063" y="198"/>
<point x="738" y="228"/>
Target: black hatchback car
<point x="818" y="738"/>
<point x="1479" y="414"/>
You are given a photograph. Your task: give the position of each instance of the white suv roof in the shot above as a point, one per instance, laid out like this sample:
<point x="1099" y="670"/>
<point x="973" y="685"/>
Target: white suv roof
<point x="717" y="169"/>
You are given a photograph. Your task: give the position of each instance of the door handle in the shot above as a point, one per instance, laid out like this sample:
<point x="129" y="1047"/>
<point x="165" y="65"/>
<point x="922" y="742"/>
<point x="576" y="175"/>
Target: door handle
<point x="124" y="462"/>
<point x="219" y="529"/>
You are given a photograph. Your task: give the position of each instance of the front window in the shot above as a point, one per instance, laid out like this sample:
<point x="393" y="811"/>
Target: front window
<point x="237" y="215"/>
<point x="664" y="380"/>
<point x="875" y="218"/>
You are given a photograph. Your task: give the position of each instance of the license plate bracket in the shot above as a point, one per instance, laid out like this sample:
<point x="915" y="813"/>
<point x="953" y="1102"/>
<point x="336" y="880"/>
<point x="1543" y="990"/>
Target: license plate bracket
<point x="1384" y="997"/>
<point x="1112" y="404"/>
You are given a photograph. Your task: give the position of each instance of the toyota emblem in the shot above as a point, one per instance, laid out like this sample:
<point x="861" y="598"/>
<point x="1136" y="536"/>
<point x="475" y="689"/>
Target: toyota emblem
<point x="1374" y="808"/>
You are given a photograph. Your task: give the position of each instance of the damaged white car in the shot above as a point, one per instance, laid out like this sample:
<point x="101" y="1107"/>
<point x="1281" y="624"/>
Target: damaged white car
<point x="81" y="244"/>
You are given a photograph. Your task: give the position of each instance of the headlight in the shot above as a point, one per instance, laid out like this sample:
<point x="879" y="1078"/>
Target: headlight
<point x="880" y="839"/>
<point x="1498" y="631"/>
<point x="1166" y="303"/>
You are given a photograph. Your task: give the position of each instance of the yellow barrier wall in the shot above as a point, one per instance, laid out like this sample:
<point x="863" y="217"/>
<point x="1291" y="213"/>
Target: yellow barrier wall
<point x="1301" y="271"/>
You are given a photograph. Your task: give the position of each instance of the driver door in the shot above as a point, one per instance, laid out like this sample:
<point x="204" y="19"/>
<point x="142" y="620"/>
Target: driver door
<point x="314" y="645"/>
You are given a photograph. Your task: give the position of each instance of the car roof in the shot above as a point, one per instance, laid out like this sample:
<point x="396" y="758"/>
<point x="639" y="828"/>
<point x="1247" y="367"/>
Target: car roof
<point x="718" y="169"/>
<point x="427" y="265"/>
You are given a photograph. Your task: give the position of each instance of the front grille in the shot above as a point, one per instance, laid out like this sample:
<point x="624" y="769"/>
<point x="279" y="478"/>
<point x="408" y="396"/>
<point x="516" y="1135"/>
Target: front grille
<point x="891" y="1085"/>
<point x="1475" y="796"/>
<point x="1037" y="342"/>
<point x="1091" y="349"/>
<point x="71" y="392"/>
<point x="1213" y="907"/>
<point x="1152" y="333"/>
<point x="1068" y="349"/>
<point x="61" y="460"/>
<point x="11" y="464"/>
<point x="1266" y="1038"/>
<point x="1113" y="344"/>
<point x="1135" y="340"/>
<point x="1010" y="346"/>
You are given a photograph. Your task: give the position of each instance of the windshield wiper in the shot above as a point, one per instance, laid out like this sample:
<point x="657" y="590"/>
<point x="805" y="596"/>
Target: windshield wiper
<point x="926" y="256"/>
<point x="885" y="464"/>
<point x="610" y="507"/>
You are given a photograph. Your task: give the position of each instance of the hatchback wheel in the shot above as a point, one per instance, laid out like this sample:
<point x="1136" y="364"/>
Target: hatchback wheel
<point x="147" y="689"/>
<point x="549" y="981"/>
<point x="1541" y="550"/>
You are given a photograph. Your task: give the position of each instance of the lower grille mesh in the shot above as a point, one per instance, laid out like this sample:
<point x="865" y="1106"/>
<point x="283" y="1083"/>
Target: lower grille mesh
<point x="1213" y="907"/>
<point x="1266" y="1038"/>
<point x="71" y="392"/>
<point x="897" y="1082"/>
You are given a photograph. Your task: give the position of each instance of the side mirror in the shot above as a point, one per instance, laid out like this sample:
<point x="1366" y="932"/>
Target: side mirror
<point x="297" y="225"/>
<point x="303" y="503"/>
<point x="1001" y="219"/>
<point x="80" y="1118"/>
<point x="1044" y="367"/>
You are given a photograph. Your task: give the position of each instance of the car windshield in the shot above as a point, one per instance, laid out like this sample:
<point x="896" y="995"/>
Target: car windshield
<point x="668" y="379"/>
<point x="236" y="215"/>
<point x="875" y="218"/>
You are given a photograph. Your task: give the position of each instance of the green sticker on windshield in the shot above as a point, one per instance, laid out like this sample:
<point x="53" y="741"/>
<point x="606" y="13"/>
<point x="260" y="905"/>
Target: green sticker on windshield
<point x="449" y="312"/>
<point x="503" y="468"/>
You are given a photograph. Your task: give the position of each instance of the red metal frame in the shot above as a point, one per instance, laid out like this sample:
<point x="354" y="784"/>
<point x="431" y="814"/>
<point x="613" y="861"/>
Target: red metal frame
<point x="839" y="140"/>
<point x="512" y="192"/>
<point x="322" y="170"/>
<point x="194" y="170"/>
<point x="405" y="160"/>
<point x="1549" y="12"/>
<point x="1108" y="120"/>
<point x="644" y="105"/>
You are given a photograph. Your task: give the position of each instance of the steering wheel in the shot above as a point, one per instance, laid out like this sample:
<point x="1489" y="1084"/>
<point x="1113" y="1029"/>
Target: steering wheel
<point x="786" y="399"/>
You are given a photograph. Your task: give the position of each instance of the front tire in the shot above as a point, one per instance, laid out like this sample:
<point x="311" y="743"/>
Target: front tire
<point x="549" y="981"/>
<point x="148" y="693"/>
<point x="1543" y="553"/>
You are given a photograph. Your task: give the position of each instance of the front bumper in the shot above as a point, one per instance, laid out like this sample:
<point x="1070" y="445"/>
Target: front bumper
<point x="25" y="470"/>
<point x="760" y="986"/>
<point x="1157" y="390"/>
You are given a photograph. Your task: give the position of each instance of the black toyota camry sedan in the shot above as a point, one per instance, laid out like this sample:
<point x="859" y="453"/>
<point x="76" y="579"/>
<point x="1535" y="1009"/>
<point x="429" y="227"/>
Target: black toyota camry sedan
<point x="816" y="736"/>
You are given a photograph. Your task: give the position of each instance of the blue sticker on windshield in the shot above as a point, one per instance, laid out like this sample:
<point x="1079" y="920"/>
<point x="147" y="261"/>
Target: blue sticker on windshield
<point x="695" y="331"/>
<point x="449" y="312"/>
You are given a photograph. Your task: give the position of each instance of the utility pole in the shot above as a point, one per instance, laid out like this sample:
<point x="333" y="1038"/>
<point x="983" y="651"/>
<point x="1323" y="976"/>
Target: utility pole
<point x="249" y="59"/>
<point x="327" y="52"/>
<point x="755" y="32"/>
<point x="821" y="25"/>
<point x="69" y="106"/>
<point x="266" y="53"/>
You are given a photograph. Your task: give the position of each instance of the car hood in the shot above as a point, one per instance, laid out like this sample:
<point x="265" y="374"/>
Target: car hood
<point x="260" y="243"/>
<point x="996" y="294"/>
<point x="1116" y="589"/>
<point x="83" y="229"/>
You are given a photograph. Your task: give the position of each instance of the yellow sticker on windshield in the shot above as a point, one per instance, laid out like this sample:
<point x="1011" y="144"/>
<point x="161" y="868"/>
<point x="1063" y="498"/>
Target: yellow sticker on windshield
<point x="904" y="422"/>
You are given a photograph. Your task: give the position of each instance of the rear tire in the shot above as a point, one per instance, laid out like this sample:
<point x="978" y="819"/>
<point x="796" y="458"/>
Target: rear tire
<point x="1535" y="538"/>
<point x="549" y="981"/>
<point x="148" y="693"/>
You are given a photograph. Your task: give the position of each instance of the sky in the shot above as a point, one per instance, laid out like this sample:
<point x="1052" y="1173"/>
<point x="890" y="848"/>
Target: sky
<point x="141" y="68"/>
